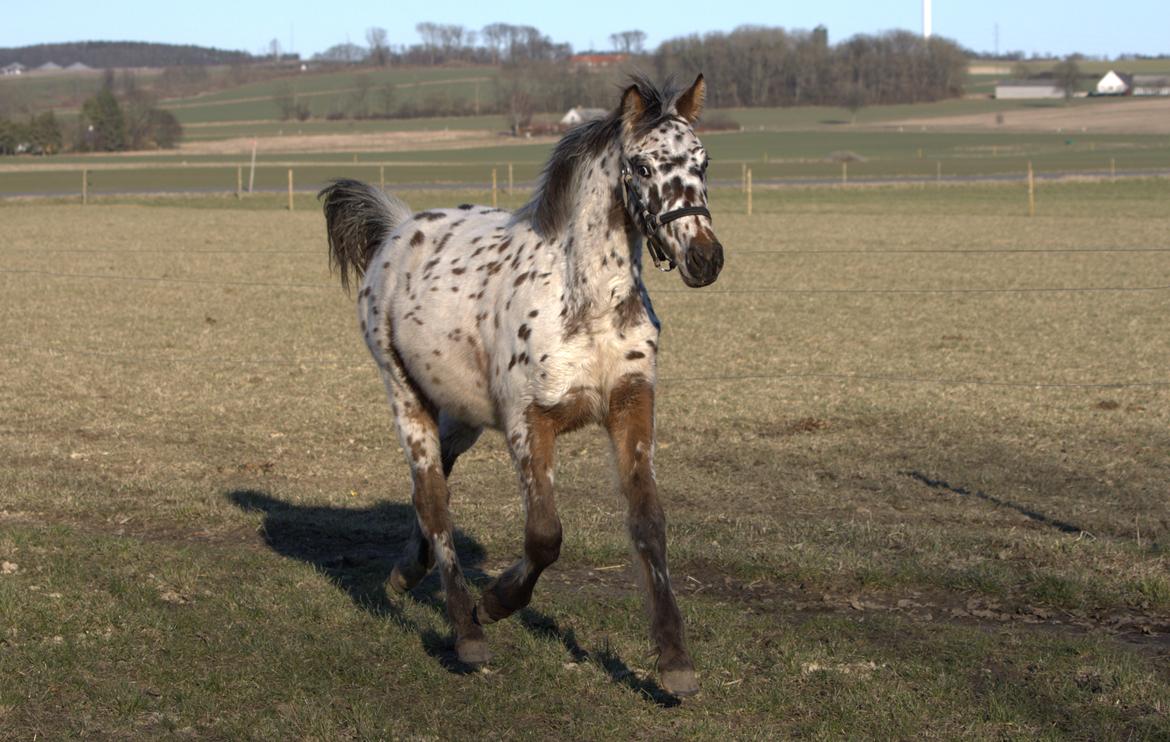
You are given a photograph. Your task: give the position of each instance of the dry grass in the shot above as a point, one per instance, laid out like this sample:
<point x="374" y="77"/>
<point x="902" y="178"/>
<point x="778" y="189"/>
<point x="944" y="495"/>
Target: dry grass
<point x="204" y="474"/>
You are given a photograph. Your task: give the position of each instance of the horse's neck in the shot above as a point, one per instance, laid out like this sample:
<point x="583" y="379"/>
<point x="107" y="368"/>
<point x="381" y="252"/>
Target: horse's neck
<point x="604" y="258"/>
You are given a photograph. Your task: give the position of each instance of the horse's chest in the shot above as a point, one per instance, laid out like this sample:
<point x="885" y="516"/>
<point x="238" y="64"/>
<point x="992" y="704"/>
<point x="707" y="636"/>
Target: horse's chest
<point x="595" y="364"/>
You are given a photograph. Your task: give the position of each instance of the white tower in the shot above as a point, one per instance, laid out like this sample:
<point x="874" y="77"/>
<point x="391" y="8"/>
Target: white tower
<point x="926" y="21"/>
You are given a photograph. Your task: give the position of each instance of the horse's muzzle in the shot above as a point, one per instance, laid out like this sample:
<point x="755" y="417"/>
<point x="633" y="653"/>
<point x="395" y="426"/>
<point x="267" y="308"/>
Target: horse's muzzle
<point x="702" y="265"/>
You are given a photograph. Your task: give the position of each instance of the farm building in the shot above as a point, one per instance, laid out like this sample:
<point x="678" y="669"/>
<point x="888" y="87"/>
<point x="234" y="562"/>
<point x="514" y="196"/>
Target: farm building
<point x="49" y="67"/>
<point x="16" y="68"/>
<point x="1151" y="85"/>
<point x="1113" y="84"/>
<point x="580" y="115"/>
<point x="1027" y="89"/>
<point x="596" y="61"/>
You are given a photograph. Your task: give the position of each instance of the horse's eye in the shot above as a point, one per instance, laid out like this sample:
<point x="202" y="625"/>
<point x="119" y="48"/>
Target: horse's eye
<point x="644" y="171"/>
<point x="703" y="167"/>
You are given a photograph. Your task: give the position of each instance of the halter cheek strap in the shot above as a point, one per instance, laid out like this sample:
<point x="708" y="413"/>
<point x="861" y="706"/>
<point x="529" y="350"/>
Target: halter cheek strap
<point x="651" y="222"/>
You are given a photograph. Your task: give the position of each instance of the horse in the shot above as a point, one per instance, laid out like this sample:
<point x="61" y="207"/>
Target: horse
<point x="535" y="323"/>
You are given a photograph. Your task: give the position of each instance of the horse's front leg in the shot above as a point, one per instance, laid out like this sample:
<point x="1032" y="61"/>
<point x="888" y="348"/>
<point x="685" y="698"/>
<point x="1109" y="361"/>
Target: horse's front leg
<point x="531" y="440"/>
<point x="631" y="429"/>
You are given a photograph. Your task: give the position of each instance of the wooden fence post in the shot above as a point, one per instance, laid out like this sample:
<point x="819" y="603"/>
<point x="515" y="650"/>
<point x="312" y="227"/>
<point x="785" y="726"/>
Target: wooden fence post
<point x="1113" y="168"/>
<point x="938" y="172"/>
<point x="290" y="189"/>
<point x="382" y="177"/>
<point x="84" y="186"/>
<point x="252" y="172"/>
<point x="1031" y="191"/>
<point x="749" y="191"/>
<point x="239" y="182"/>
<point x="495" y="194"/>
<point x="844" y="172"/>
<point x="509" y="179"/>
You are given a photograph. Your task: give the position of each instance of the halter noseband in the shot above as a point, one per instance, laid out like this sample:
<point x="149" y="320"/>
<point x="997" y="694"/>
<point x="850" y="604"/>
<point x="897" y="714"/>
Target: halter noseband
<point x="653" y="222"/>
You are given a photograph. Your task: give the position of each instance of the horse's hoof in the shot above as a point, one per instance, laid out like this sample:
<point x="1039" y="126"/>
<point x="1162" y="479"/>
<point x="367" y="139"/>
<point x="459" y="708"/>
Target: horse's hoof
<point x="473" y="651"/>
<point x="681" y="683"/>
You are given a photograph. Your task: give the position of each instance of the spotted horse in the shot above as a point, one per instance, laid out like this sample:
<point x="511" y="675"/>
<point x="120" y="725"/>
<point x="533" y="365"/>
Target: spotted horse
<point x="536" y="323"/>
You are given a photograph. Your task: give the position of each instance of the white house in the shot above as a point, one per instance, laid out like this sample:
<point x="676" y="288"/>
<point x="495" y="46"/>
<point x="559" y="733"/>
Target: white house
<point x="16" y="68"/>
<point x="1027" y="89"/>
<point x="580" y="115"/>
<point x="1112" y="84"/>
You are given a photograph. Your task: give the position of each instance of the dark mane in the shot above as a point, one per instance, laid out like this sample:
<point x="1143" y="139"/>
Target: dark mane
<point x="552" y="203"/>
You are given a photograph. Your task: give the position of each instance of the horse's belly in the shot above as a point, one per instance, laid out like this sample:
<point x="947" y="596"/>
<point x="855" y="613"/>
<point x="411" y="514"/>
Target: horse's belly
<point x="450" y="368"/>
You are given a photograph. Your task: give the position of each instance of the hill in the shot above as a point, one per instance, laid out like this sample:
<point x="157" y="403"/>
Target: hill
<point x="121" y="54"/>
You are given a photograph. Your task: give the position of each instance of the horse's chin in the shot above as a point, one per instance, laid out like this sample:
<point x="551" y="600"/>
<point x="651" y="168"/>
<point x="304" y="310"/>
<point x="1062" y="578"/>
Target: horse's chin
<point x="695" y="283"/>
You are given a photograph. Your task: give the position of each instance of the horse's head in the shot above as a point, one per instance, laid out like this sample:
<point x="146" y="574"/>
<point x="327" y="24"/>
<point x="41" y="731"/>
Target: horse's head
<point x="664" y="180"/>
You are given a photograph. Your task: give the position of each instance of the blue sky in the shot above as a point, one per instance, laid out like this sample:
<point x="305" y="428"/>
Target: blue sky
<point x="1059" y="26"/>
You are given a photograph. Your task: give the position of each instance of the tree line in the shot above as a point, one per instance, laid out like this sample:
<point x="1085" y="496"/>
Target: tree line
<point x="106" y="54"/>
<point x="118" y="117"/>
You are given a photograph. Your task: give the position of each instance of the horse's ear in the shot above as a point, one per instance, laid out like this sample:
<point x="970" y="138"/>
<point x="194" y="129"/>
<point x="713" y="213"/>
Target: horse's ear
<point x="633" y="106"/>
<point x="690" y="103"/>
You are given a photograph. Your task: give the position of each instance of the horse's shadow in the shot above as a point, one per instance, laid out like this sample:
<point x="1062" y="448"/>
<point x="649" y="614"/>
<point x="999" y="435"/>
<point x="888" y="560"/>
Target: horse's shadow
<point x="356" y="549"/>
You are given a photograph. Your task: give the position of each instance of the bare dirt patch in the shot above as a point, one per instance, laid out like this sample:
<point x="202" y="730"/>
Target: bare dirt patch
<point x="1118" y="116"/>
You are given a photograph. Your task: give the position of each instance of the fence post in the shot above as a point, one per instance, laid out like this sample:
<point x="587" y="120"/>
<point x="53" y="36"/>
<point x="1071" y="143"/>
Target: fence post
<point x="509" y="179"/>
<point x="84" y="186"/>
<point x="844" y="172"/>
<point x="1031" y="191"/>
<point x="938" y="172"/>
<point x="239" y="182"/>
<point x="290" y="189"/>
<point x="252" y="172"/>
<point x="495" y="194"/>
<point x="1112" y="168"/>
<point x="382" y="177"/>
<point x="749" y="191"/>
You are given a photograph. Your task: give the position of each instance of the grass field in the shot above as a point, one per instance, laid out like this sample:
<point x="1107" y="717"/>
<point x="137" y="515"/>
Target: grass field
<point x="913" y="448"/>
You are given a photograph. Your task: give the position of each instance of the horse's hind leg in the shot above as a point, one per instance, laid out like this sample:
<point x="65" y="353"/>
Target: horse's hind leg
<point x="434" y="536"/>
<point x="531" y="442"/>
<point x="631" y="429"/>
<point x="417" y="559"/>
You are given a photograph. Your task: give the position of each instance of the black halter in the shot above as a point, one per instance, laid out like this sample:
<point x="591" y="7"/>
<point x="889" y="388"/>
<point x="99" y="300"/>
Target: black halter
<point x="652" y="222"/>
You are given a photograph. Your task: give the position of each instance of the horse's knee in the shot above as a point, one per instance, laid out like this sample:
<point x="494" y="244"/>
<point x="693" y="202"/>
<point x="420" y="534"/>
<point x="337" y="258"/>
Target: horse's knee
<point x="542" y="542"/>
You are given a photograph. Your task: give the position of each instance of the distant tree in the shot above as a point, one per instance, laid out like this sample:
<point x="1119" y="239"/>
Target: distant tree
<point x="386" y="98"/>
<point x="1067" y="75"/>
<point x="1021" y="70"/>
<point x="853" y="99"/>
<point x="520" y="111"/>
<point x="359" y="102"/>
<point x="430" y="35"/>
<point x="44" y="133"/>
<point x="285" y="100"/>
<point x="495" y="36"/>
<point x="346" y="53"/>
<point x="165" y="129"/>
<point x="136" y="112"/>
<point x="102" y="125"/>
<point x="12" y="135"/>
<point x="379" y="47"/>
<point x="628" y="42"/>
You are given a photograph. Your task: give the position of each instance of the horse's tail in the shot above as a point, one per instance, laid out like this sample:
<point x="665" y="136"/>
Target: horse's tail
<point x="358" y="218"/>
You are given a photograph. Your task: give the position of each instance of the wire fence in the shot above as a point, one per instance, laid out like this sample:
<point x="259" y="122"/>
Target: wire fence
<point x="689" y="292"/>
<point x="148" y="359"/>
